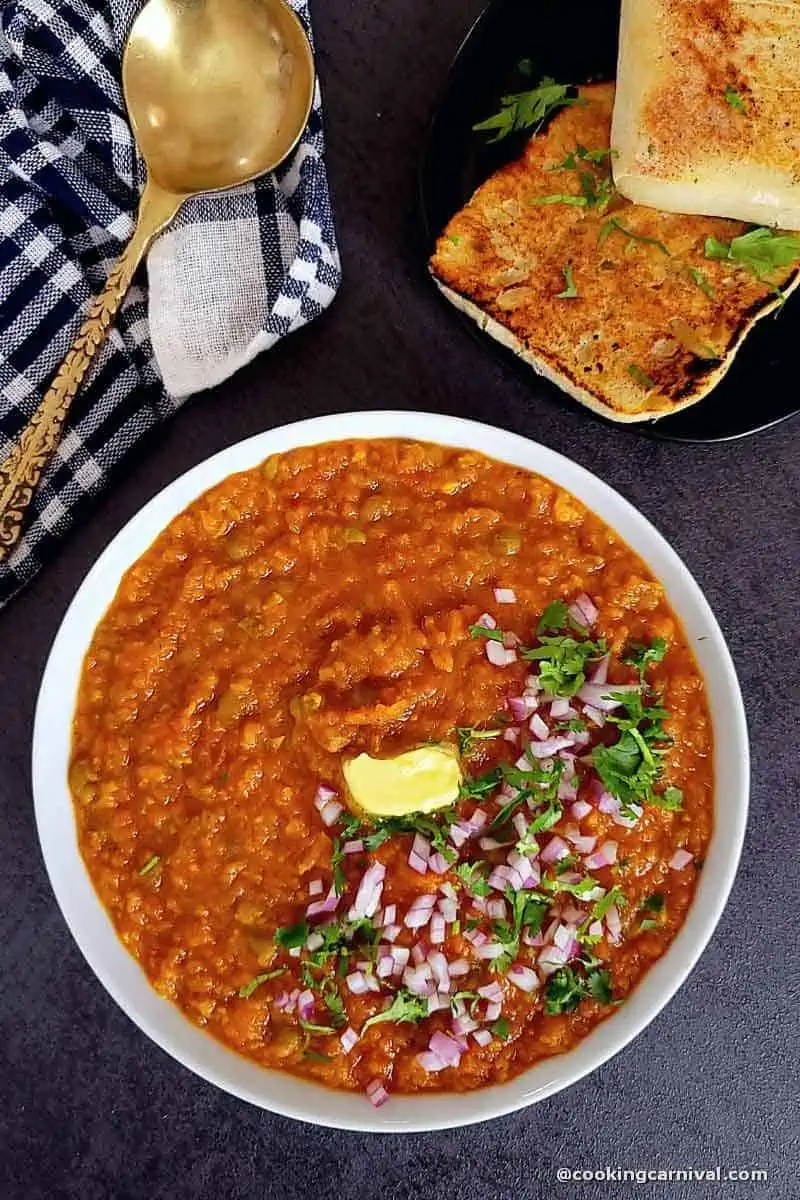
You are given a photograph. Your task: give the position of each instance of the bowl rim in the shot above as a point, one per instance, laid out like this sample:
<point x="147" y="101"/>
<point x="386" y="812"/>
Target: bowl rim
<point x="163" y="1022"/>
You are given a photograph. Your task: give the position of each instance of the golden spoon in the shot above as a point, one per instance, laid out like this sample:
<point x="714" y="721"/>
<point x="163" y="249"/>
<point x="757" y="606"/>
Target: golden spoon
<point x="218" y="92"/>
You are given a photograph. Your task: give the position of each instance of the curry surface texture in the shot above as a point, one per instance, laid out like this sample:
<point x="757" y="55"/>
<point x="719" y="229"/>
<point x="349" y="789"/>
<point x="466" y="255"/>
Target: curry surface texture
<point x="305" y="611"/>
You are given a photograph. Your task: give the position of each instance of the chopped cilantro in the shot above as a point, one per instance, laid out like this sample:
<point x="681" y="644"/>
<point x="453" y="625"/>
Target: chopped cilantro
<point x="761" y="250"/>
<point x="337" y="857"/>
<point x="614" y="896"/>
<point x="735" y="99"/>
<point x="405" y="1007"/>
<point x="523" y="110"/>
<point x="310" y="1027"/>
<point x="598" y="984"/>
<point x="642" y="378"/>
<point x="473" y="877"/>
<point x="671" y="799"/>
<point x="150" y="865"/>
<point x="247" y="990"/>
<point x="564" y="991"/>
<point x="630" y="767"/>
<point x="638" y="655"/>
<point x="451" y="237"/>
<point x="581" y="889"/>
<point x="570" y="292"/>
<point x="481" y="785"/>
<point x="613" y="225"/>
<point x="555" y="616"/>
<point x="480" y="631"/>
<point x="701" y="281"/>
<point x="528" y="911"/>
<point x="468" y="736"/>
<point x="292" y="936"/>
<point x="435" y="830"/>
<point x="648" y="923"/>
<point x="581" y="155"/>
<point x="500" y="1029"/>
<point x="562" y="663"/>
<point x="654" y="903"/>
<point x="315" y="1056"/>
<point x="332" y="1000"/>
<point x="561" y="198"/>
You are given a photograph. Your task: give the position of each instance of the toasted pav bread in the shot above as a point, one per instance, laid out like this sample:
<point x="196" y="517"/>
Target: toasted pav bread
<point x="707" y="116"/>
<point x="616" y="303"/>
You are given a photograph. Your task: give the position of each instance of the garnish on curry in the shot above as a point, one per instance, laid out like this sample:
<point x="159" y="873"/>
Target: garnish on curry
<point x="376" y="598"/>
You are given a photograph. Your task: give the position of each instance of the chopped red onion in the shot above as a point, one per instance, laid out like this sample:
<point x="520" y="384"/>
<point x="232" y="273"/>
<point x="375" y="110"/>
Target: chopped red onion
<point x="482" y="1036"/>
<point x="607" y="803"/>
<point x="437" y="1001"/>
<point x="385" y="968"/>
<point x="555" y="849"/>
<point x="492" y="992"/>
<point x="348" y="1039"/>
<point x="560" y="708"/>
<point x="523" y="978"/>
<point x="599" y="674"/>
<point x="437" y="931"/>
<point x="552" y="745"/>
<point x="458" y="967"/>
<point x="562" y="938"/>
<point x="496" y="908"/>
<point x="464" y="1025"/>
<point x="490" y="843"/>
<point x="477" y="937"/>
<point x="419" y="914"/>
<point x="583" y="844"/>
<point x="368" y="896"/>
<point x="505" y="596"/>
<point x="477" y="820"/>
<point x="680" y="859"/>
<point x="314" y="941"/>
<point x="613" y="923"/>
<point x="421" y="846"/>
<point x="438" y="864"/>
<point x="449" y="910"/>
<point x="447" y="1050"/>
<point x="594" y="715"/>
<point x="580" y="809"/>
<point x="331" y="812"/>
<point x="499" y="655"/>
<point x="390" y="933"/>
<point x="588" y="608"/>
<point x="322" y="796"/>
<point x="430" y="1061"/>
<point x="305" y="1005"/>
<point x="490" y="951"/>
<point x="355" y="846"/>
<point x="505" y="876"/>
<point x="520" y="707"/>
<point x="572" y="915"/>
<point x="418" y="979"/>
<point x="438" y="964"/>
<point x="538" y="728"/>
<point x="377" y="1093"/>
<point x="418" y="952"/>
<point x="493" y="1011"/>
<point x="316" y="887"/>
<point x="458" y="834"/>
<point x="357" y="983"/>
<point x="319" y="907"/>
<point x="596" y="929"/>
<point x="520" y="824"/>
<point x="447" y="889"/>
<point x="532" y="939"/>
<point x="420" y="865"/>
<point x="511" y="734"/>
<point x="551" y="958"/>
<point x="603" y="857"/>
<point x="486" y="621"/>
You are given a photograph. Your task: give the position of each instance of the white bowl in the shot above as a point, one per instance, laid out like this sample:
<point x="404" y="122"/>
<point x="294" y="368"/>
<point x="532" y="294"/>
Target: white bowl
<point x="163" y="1022"/>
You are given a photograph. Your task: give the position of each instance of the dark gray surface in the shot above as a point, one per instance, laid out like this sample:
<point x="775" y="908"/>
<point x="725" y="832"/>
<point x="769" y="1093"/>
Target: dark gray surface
<point x="90" y="1108"/>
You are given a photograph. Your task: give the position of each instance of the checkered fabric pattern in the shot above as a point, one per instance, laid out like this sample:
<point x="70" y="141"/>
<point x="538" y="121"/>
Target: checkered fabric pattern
<point x="235" y="273"/>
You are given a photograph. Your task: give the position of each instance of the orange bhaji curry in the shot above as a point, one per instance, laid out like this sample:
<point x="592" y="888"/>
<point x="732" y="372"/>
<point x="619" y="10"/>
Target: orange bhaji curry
<point x="369" y="598"/>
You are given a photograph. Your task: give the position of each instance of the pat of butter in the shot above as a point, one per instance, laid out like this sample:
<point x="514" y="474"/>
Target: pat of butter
<point x="421" y="780"/>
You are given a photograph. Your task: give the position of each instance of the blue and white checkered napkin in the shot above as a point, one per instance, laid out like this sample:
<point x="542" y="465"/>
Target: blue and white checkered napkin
<point x="235" y="273"/>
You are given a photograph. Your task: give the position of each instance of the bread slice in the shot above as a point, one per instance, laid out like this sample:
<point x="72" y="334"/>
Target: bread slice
<point x="707" y="117"/>
<point x="655" y="323"/>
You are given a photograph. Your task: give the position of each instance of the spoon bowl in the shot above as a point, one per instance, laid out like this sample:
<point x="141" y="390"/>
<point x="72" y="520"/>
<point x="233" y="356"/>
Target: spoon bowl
<point x="218" y="91"/>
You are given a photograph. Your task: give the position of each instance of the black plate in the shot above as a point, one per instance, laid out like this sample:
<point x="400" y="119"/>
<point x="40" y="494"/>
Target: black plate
<point x="577" y="42"/>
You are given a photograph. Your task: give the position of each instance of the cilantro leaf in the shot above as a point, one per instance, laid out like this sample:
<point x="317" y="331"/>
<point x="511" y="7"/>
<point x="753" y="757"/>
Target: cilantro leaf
<point x="480" y="631"/>
<point x="150" y="865"/>
<point x="561" y="198"/>
<point x="405" y="1007"/>
<point x="735" y="99"/>
<point x="562" y="663"/>
<point x="671" y="799"/>
<point x="598" y="984"/>
<point x="337" y="857"/>
<point x="570" y="292"/>
<point x="480" y="786"/>
<point x="468" y="736"/>
<point x="564" y="991"/>
<point x="435" y="830"/>
<point x="528" y="911"/>
<point x="642" y="378"/>
<point x="580" y="154"/>
<point x="292" y="936"/>
<point x="638" y="655"/>
<point x="614" y="896"/>
<point x="615" y="226"/>
<point x="500" y="1029"/>
<point x="523" y="110"/>
<point x="701" y="281"/>
<point x="473" y="877"/>
<point x="247" y="990"/>
<point x="654" y="903"/>
<point x="310" y="1027"/>
<point x="761" y="250"/>
<point x="554" y="617"/>
<point x="649" y="923"/>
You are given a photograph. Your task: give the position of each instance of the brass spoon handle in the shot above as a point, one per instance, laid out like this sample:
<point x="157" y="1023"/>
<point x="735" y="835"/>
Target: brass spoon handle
<point x="21" y="469"/>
